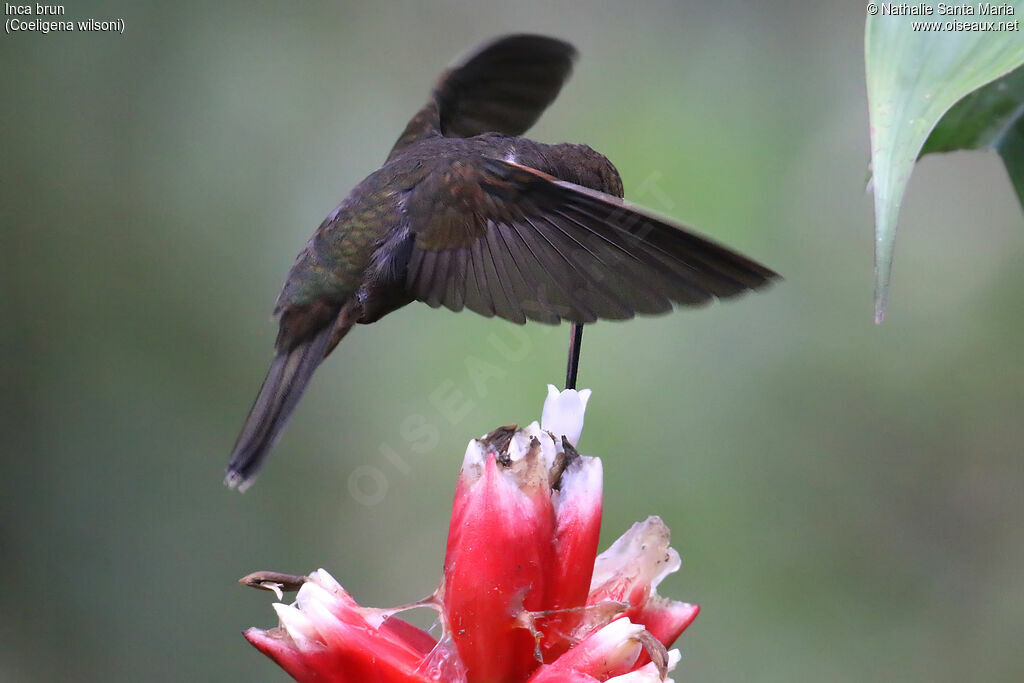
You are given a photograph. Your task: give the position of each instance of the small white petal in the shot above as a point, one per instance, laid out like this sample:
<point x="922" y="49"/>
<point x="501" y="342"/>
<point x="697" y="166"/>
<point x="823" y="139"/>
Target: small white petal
<point x="563" y="413"/>
<point x="642" y="554"/>
<point x="581" y="487"/>
<point x="585" y="397"/>
<point x="649" y="672"/>
<point x="617" y="632"/>
<point x="473" y="461"/>
<point x="614" y="647"/>
<point x="311" y="592"/>
<point x="671" y="565"/>
<point x="297" y="624"/>
<point x="320" y="616"/>
<point x="519" y="444"/>
<point x="326" y="581"/>
<point x="548" y="448"/>
<point x="584" y="477"/>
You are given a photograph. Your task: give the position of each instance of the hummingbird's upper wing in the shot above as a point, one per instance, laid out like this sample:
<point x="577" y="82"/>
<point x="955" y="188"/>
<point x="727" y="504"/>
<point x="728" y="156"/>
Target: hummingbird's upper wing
<point x="503" y="239"/>
<point x="502" y="86"/>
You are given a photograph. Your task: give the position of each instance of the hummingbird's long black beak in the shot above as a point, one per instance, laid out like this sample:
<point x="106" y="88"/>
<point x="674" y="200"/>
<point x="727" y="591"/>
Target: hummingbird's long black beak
<point x="575" y="343"/>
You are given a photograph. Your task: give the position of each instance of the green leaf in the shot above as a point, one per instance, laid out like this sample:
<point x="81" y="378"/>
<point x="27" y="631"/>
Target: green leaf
<point x="914" y="77"/>
<point x="990" y="117"/>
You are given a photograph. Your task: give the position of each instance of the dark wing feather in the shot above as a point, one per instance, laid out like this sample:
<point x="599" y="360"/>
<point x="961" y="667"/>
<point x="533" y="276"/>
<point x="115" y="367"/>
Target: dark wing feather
<point x="507" y="240"/>
<point x="502" y="86"/>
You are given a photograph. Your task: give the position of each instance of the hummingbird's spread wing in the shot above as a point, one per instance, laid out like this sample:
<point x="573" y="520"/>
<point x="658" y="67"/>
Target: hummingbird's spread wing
<point x="503" y="239"/>
<point x="501" y="87"/>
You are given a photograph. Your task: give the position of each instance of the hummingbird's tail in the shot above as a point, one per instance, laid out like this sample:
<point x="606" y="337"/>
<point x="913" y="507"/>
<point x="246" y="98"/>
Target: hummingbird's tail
<point x="284" y="385"/>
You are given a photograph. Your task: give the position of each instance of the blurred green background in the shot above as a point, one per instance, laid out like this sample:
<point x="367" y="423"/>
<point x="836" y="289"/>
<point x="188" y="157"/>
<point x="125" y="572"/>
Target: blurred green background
<point x="847" y="498"/>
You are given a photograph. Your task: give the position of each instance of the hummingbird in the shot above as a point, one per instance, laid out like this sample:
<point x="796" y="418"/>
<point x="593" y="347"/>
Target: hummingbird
<point x="467" y="214"/>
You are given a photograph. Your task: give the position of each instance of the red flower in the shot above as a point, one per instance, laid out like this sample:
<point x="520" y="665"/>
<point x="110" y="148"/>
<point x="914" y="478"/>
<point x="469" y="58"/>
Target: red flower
<point x="522" y="597"/>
